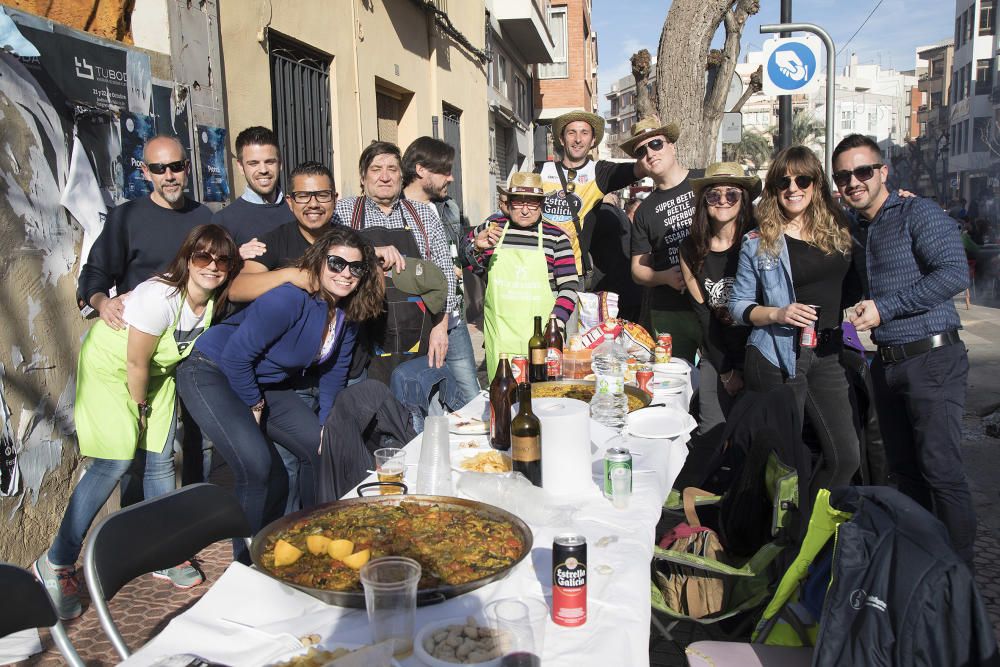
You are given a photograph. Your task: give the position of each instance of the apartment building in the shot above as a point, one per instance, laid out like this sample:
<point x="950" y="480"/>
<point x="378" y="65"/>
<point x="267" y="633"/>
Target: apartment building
<point x="933" y="118"/>
<point x="623" y="113"/>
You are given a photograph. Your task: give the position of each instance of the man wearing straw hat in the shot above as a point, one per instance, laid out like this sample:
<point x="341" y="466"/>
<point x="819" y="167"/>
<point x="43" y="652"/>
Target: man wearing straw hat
<point x="661" y="222"/>
<point x="575" y="185"/>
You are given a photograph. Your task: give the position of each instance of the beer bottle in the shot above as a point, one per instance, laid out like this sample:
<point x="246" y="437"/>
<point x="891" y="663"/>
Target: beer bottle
<point x="553" y="351"/>
<point x="536" y="352"/>
<point x="501" y="401"/>
<point x="526" y="438"/>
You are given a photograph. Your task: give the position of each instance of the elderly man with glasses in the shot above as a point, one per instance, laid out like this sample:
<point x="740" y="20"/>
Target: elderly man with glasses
<point x="661" y="223"/>
<point x="529" y="267"/>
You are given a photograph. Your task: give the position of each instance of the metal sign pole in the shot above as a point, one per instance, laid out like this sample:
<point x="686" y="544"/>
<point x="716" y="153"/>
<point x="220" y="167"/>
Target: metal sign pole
<point x="831" y="65"/>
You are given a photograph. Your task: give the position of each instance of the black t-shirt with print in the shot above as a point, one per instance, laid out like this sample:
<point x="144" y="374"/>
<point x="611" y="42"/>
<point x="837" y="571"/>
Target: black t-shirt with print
<point x="285" y="245"/>
<point x="661" y="223"/>
<point x="724" y="340"/>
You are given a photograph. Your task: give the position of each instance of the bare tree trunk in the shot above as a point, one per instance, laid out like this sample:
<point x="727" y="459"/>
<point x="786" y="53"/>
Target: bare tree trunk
<point x="641" y="66"/>
<point x="756" y="85"/>
<point x="684" y="56"/>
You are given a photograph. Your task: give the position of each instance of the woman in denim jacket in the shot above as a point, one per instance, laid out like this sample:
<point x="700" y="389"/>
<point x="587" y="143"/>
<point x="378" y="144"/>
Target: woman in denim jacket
<point x="797" y="259"/>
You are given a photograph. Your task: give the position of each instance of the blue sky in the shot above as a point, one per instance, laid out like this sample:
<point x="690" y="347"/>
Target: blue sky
<point x="890" y="37"/>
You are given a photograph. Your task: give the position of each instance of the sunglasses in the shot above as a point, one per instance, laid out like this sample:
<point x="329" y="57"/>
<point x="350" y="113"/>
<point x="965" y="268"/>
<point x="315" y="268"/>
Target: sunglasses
<point x="801" y="181"/>
<point x="160" y="168"/>
<point x="655" y="145"/>
<point x="715" y="197"/>
<point x="863" y="173"/>
<point x="303" y="196"/>
<point x="526" y="204"/>
<point x="202" y="260"/>
<point x="337" y="264"/>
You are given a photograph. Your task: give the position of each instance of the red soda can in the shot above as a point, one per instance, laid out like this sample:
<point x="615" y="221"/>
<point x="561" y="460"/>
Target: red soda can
<point x="643" y="377"/>
<point x="664" y="350"/>
<point x="569" y="580"/>
<point x="809" y="336"/>
<point x="519" y="368"/>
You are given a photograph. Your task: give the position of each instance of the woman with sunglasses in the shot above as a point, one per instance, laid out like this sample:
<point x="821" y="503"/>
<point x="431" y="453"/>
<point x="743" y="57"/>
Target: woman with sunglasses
<point x="238" y="383"/>
<point x="792" y="275"/>
<point x="125" y="406"/>
<point x="709" y="257"/>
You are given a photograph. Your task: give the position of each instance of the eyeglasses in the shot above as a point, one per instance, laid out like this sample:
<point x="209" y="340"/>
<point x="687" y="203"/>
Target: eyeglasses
<point x="801" y="181"/>
<point x="526" y="204"/>
<point x="303" y="196"/>
<point x="655" y="145"/>
<point x="160" y="168"/>
<point x="337" y="264"/>
<point x="202" y="260"/>
<point x="715" y="197"/>
<point x="862" y="173"/>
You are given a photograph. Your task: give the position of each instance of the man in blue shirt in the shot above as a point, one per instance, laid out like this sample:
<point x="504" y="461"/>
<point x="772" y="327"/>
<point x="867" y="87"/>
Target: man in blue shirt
<point x="915" y="265"/>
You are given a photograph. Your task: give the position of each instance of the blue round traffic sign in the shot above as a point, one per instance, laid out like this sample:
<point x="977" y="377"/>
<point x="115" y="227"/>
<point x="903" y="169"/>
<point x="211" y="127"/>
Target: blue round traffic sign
<point x="791" y="66"/>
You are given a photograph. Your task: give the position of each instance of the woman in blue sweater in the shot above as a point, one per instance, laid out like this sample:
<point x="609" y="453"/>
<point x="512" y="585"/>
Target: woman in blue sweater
<point x="238" y="383"/>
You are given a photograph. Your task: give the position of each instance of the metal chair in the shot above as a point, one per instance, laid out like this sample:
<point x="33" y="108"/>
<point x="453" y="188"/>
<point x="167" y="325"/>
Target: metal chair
<point x="28" y="606"/>
<point x="154" y="535"/>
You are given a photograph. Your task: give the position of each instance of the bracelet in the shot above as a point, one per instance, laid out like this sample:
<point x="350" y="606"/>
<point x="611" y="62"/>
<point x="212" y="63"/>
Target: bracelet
<point x="144" y="408"/>
<point x="258" y="406"/>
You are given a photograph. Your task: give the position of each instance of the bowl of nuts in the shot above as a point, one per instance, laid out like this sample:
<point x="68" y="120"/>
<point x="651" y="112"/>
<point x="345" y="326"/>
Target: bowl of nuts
<point x="457" y="641"/>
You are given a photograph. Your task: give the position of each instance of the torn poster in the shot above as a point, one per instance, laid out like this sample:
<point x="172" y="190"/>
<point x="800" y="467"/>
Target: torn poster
<point x="82" y="198"/>
<point x="136" y="130"/>
<point x="12" y="40"/>
<point x="212" y="150"/>
<point x="10" y="473"/>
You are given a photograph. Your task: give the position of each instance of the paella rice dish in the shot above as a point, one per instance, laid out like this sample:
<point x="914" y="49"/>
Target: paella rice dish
<point x="581" y="392"/>
<point x="453" y="545"/>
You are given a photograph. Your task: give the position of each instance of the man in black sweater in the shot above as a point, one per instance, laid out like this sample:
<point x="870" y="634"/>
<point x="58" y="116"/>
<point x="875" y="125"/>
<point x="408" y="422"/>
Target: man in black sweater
<point x="141" y="236"/>
<point x="262" y="206"/>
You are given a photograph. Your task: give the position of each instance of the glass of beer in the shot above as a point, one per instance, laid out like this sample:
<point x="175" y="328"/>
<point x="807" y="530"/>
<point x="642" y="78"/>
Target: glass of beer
<point x="390" y="466"/>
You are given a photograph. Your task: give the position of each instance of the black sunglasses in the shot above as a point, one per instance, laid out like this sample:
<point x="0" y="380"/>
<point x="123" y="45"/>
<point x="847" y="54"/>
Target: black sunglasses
<point x="714" y="197"/>
<point x="160" y="168"/>
<point x="202" y="259"/>
<point x="337" y="264"/>
<point x="802" y="181"/>
<point x="303" y="196"/>
<point x="654" y="145"/>
<point x="862" y="173"/>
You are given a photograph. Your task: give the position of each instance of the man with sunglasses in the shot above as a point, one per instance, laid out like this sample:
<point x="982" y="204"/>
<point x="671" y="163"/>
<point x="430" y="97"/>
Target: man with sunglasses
<point x="661" y="223"/>
<point x="575" y="185"/>
<point x="141" y="236"/>
<point x="915" y="265"/>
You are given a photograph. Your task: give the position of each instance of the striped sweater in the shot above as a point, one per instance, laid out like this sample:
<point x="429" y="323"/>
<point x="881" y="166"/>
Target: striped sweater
<point x="563" y="278"/>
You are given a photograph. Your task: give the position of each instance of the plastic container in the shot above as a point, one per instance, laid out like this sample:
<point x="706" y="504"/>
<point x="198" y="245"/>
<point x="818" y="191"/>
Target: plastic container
<point x="609" y="406"/>
<point x="576" y="364"/>
<point x="434" y="468"/>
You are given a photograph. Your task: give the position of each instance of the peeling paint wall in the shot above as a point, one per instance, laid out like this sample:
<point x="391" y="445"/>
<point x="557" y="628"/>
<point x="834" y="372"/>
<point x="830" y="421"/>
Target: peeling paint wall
<point x="40" y="246"/>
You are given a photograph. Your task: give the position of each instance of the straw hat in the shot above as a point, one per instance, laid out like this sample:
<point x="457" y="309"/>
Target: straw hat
<point x="726" y="172"/>
<point x="525" y="184"/>
<point x="648" y="128"/>
<point x="595" y="122"/>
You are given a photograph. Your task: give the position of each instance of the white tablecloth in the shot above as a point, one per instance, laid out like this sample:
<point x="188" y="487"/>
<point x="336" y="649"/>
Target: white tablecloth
<point x="248" y="618"/>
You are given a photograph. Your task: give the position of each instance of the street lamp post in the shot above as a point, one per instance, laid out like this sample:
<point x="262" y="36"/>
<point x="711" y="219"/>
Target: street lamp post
<point x="785" y="101"/>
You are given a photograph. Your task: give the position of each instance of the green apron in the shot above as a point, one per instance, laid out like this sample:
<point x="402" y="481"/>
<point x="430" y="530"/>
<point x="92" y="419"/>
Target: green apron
<point x="107" y="419"/>
<point x="517" y="289"/>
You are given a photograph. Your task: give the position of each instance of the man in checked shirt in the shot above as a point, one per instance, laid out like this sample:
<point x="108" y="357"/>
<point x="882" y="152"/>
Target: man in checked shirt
<point x="381" y="206"/>
<point x="915" y="265"/>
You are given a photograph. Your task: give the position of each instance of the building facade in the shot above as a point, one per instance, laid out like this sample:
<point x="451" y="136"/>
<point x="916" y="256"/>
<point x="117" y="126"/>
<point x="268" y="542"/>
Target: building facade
<point x="390" y="71"/>
<point x="623" y="113"/>
<point x="929" y="144"/>
<point x="569" y="83"/>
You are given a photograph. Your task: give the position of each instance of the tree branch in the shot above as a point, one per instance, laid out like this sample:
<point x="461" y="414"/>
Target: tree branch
<point x="734" y="19"/>
<point x="756" y="85"/>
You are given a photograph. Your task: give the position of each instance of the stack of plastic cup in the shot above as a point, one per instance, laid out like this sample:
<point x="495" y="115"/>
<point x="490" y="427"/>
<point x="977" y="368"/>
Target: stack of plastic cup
<point x="434" y="467"/>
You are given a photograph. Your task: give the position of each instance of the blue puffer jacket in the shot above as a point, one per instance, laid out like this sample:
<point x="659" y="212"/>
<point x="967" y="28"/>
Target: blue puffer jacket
<point x="764" y="279"/>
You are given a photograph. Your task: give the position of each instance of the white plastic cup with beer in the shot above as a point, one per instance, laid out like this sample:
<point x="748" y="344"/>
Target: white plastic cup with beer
<point x="390" y="466"/>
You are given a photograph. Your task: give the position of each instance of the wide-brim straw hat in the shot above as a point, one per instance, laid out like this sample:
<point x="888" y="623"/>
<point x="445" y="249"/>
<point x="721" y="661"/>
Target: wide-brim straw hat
<point x="525" y="184"/>
<point x="647" y="128"/>
<point x="595" y="122"/>
<point x="726" y="172"/>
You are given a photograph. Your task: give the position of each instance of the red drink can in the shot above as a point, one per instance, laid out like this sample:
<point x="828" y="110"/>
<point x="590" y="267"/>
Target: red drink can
<point x="643" y="377"/>
<point x="569" y="580"/>
<point x="809" y="336"/>
<point x="664" y="350"/>
<point x="519" y="368"/>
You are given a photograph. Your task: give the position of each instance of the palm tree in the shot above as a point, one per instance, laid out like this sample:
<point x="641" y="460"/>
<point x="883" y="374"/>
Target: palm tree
<point x="807" y="130"/>
<point x="753" y="151"/>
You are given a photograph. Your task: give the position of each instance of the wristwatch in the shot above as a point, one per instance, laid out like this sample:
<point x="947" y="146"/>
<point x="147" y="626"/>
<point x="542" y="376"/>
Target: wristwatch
<point x="144" y="408"/>
<point x="258" y="406"/>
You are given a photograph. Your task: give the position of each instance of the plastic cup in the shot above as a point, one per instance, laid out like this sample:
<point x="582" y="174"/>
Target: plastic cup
<point x="621" y="487"/>
<point x="390" y="466"/>
<point x="434" y="468"/>
<point x="390" y="585"/>
<point x="520" y="627"/>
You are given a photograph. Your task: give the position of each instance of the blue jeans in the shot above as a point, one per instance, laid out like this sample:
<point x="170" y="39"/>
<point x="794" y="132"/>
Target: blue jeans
<point x="418" y="387"/>
<point x="461" y="360"/>
<point x="96" y="487"/>
<point x="261" y="481"/>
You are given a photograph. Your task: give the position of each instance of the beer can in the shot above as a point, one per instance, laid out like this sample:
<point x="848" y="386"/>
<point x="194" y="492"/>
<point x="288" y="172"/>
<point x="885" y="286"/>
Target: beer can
<point x="616" y="457"/>
<point x="664" y="350"/>
<point x="643" y="377"/>
<point x="519" y="368"/>
<point x="569" y="580"/>
<point x="809" y="336"/>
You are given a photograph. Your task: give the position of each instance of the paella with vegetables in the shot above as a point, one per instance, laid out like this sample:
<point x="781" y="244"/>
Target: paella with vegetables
<point x="454" y="545"/>
<point x="584" y="391"/>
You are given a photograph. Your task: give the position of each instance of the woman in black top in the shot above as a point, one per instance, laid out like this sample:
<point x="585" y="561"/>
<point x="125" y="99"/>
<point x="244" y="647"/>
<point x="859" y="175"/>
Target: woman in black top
<point x="709" y="258"/>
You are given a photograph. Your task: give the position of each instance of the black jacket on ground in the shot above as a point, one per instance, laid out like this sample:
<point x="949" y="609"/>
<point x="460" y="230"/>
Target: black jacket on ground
<point x="900" y="595"/>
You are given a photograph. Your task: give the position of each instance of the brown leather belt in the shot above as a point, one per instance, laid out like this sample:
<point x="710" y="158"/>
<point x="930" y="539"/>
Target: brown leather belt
<point x="890" y="354"/>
